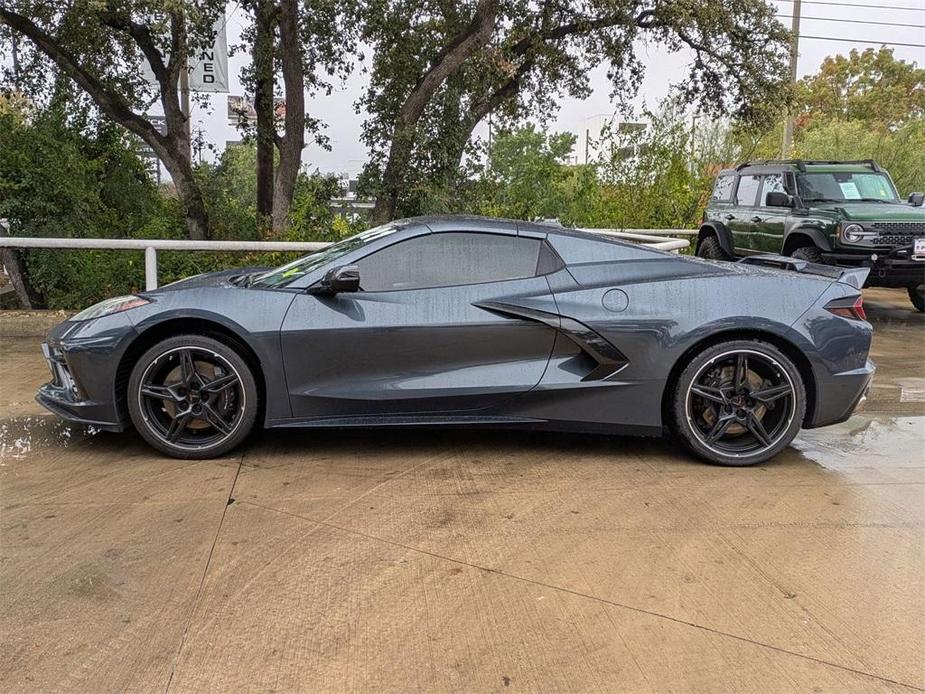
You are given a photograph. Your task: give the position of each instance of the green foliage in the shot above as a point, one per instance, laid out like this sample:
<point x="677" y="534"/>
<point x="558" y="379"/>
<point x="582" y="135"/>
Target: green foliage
<point x="651" y="177"/>
<point x="901" y="152"/>
<point x="62" y="181"/>
<point x="526" y="177"/>
<point x="538" y="52"/>
<point x="641" y="178"/>
<point x="869" y="86"/>
<point x="230" y="190"/>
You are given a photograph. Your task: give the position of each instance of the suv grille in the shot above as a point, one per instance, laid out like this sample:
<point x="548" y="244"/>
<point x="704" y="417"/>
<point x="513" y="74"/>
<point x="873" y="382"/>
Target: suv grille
<point x="898" y="233"/>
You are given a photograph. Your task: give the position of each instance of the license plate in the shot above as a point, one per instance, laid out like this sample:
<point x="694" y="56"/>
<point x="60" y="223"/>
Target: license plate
<point x="918" y="249"/>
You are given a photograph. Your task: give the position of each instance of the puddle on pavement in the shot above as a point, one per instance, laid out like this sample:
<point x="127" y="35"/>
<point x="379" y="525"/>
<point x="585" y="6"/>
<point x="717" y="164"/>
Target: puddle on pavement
<point x="22" y="436"/>
<point x="866" y="441"/>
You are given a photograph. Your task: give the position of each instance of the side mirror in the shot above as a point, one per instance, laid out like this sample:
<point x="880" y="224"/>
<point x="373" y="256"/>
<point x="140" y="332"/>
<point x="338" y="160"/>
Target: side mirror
<point x="778" y="199"/>
<point x="916" y="199"/>
<point x="345" y="278"/>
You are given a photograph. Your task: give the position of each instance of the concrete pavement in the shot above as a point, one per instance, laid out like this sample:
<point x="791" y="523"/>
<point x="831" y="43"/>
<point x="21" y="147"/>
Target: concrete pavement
<point x="468" y="560"/>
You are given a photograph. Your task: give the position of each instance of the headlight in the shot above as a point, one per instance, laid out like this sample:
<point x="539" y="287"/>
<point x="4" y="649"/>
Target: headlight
<point x="855" y="233"/>
<point x="109" y="306"/>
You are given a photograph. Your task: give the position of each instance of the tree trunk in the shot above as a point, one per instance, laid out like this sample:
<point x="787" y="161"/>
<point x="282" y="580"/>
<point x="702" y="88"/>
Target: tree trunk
<point x="292" y="142"/>
<point x="15" y="264"/>
<point x="263" y="104"/>
<point x="475" y="36"/>
<point x="181" y="171"/>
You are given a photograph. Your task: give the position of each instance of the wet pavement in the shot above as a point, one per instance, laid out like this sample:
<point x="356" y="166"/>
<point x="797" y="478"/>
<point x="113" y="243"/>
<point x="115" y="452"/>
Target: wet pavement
<point x="467" y="561"/>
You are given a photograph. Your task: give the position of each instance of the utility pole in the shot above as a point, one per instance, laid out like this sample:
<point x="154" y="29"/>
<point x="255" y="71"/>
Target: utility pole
<point x="794" y="58"/>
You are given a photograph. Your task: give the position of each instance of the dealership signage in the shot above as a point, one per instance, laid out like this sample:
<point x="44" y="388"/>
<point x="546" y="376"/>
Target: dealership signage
<point x="208" y="70"/>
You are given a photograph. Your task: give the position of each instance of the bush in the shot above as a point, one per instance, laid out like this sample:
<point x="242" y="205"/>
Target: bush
<point x="58" y="180"/>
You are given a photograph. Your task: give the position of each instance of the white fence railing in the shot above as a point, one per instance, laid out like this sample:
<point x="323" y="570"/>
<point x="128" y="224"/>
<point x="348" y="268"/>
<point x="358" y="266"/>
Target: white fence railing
<point x="654" y="238"/>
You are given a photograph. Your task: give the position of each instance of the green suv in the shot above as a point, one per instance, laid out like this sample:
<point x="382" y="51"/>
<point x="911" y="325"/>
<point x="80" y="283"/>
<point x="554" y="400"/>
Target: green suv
<point x="840" y="213"/>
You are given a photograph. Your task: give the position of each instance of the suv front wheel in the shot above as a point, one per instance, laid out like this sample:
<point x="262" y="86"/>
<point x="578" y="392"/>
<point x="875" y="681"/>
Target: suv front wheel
<point x="709" y="248"/>
<point x="917" y="296"/>
<point x="810" y="254"/>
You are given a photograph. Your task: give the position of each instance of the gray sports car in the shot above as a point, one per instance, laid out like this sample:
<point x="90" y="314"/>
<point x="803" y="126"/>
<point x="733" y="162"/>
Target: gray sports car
<point x="481" y="322"/>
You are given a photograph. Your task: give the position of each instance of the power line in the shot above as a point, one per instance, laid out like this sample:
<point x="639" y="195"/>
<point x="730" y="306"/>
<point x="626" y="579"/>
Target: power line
<point x="857" y="21"/>
<point x="873" y="43"/>
<point x="860" y="5"/>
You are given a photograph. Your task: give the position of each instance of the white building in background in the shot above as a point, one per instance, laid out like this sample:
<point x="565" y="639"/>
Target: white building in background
<point x="601" y="131"/>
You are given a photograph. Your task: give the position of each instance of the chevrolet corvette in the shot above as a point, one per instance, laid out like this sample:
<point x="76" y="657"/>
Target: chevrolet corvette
<point x="464" y="321"/>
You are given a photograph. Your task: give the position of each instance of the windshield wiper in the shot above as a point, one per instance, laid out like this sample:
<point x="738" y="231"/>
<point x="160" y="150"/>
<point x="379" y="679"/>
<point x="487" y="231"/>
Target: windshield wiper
<point x="247" y="279"/>
<point x="822" y="200"/>
<point x="876" y="200"/>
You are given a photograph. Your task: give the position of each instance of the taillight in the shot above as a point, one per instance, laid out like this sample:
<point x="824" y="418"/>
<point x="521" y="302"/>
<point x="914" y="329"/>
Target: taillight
<point x="848" y="307"/>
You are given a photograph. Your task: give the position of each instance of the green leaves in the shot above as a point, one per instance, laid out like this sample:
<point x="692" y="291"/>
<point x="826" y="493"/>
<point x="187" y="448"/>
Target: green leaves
<point x="539" y="52"/>
<point x="870" y="86"/>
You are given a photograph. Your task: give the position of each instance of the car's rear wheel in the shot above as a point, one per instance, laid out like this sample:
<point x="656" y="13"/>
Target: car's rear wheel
<point x="810" y="254"/>
<point x="917" y="297"/>
<point x="711" y="249"/>
<point x="739" y="403"/>
<point x="192" y="396"/>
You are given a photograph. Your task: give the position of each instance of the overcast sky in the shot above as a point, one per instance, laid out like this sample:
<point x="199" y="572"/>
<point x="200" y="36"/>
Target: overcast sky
<point x="343" y="124"/>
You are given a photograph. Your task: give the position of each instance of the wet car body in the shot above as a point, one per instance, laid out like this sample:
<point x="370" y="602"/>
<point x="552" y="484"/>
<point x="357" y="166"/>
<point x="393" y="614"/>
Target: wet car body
<point x="592" y="342"/>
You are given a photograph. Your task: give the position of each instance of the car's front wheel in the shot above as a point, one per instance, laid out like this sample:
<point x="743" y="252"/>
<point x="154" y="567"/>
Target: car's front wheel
<point x="192" y="396"/>
<point x="739" y="403"/>
<point x="917" y="297"/>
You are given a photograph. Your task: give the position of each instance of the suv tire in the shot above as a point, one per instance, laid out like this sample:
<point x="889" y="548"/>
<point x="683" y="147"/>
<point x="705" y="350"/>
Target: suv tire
<point x="810" y="254"/>
<point x="917" y="296"/>
<point x="711" y="249"/>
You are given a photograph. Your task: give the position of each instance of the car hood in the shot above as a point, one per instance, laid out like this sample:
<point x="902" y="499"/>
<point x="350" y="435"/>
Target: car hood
<point x="220" y="278"/>
<point x="878" y="212"/>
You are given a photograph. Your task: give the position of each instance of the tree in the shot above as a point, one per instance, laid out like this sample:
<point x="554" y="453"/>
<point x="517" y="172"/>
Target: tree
<point x="60" y="179"/>
<point x="100" y="47"/>
<point x="306" y="43"/>
<point x="440" y="68"/>
<point x="900" y="151"/>
<point x="870" y="86"/>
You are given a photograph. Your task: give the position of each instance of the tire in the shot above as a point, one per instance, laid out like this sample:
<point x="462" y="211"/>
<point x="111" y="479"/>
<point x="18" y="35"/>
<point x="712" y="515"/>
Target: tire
<point x="711" y="249"/>
<point x="810" y="254"/>
<point x="192" y="397"/>
<point x="706" y="402"/>
<point x="917" y="297"/>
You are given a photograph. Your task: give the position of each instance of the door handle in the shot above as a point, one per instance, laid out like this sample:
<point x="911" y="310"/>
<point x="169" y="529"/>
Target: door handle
<point x="756" y="219"/>
<point x="730" y="216"/>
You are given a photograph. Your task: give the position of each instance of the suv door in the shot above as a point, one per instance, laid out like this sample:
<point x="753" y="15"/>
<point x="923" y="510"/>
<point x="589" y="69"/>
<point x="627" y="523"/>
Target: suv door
<point x="412" y="340"/>
<point x="768" y="230"/>
<point x="742" y="219"/>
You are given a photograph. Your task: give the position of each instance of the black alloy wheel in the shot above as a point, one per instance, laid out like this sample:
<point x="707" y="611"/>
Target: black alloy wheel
<point x="192" y="397"/>
<point x="739" y="403"/>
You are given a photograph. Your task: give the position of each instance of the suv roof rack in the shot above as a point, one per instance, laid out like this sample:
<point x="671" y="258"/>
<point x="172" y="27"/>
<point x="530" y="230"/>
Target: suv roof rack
<point x="802" y="163"/>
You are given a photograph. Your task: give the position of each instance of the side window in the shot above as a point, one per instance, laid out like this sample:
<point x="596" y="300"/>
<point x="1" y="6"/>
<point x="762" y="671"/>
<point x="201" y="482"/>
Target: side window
<point x="771" y="184"/>
<point x="747" y="192"/>
<point x="722" y="189"/>
<point x="449" y="259"/>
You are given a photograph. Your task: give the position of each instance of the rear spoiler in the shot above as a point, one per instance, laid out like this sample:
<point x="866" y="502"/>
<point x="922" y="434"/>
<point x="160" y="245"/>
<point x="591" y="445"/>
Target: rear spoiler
<point x="852" y="276"/>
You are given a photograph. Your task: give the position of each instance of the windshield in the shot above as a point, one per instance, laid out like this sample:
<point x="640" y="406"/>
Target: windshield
<point x="290" y="272"/>
<point x="846" y="186"/>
